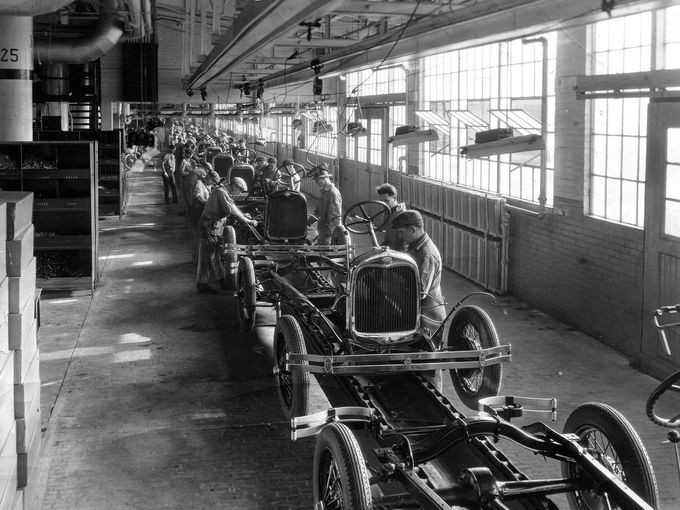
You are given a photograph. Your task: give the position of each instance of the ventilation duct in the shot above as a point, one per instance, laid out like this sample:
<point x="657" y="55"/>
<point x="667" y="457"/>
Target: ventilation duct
<point x="92" y="46"/>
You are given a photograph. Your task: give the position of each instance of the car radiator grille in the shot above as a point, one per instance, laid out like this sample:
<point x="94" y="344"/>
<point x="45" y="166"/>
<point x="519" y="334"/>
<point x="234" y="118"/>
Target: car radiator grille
<point x="385" y="300"/>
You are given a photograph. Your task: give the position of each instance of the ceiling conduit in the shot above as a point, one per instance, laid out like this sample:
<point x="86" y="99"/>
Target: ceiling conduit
<point x="105" y="35"/>
<point x="31" y="7"/>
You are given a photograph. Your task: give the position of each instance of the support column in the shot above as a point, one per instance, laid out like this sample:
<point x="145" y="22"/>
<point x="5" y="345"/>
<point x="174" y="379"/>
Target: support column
<point x="16" y="68"/>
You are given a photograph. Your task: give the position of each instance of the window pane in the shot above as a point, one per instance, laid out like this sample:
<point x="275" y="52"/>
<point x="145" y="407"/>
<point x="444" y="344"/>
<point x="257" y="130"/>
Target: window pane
<point x="629" y="168"/>
<point x="613" y="198"/>
<point x="631" y="116"/>
<point x="629" y="202"/>
<point x="597" y="194"/>
<point x="673" y="182"/>
<point x="673" y="145"/>
<point x="599" y="150"/>
<point x="614" y="156"/>
<point x="614" y="116"/>
<point x="672" y="224"/>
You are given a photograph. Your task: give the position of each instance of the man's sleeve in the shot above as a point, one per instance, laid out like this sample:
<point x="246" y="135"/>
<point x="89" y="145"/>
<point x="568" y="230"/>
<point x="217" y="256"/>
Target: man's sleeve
<point x="335" y="213"/>
<point x="427" y="272"/>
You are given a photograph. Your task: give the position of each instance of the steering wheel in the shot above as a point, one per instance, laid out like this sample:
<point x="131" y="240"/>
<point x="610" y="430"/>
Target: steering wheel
<point x="669" y="384"/>
<point x="359" y="218"/>
<point x="290" y="174"/>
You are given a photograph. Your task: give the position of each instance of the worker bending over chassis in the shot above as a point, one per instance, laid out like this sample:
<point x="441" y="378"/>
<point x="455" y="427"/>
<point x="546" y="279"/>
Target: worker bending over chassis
<point x="217" y="209"/>
<point x="408" y="229"/>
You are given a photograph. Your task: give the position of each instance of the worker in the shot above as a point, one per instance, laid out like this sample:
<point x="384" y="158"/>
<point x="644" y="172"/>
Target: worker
<point x="328" y="209"/>
<point x="388" y="194"/>
<point x="168" y="174"/>
<point x="259" y="166"/>
<point x="409" y="231"/>
<point x="185" y="168"/>
<point x="200" y="192"/>
<point x="219" y="206"/>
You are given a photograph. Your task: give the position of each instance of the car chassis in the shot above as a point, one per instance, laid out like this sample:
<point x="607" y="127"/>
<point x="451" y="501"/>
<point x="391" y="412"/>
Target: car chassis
<point x="389" y="423"/>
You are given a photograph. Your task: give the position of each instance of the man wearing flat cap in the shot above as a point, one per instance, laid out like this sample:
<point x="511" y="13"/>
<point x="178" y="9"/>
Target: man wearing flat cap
<point x="217" y="209"/>
<point x="329" y="207"/>
<point x="408" y="227"/>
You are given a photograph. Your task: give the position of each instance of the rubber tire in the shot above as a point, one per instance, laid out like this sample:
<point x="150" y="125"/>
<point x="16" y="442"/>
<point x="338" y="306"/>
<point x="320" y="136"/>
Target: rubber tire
<point x="246" y="299"/>
<point x="492" y="375"/>
<point x="667" y="384"/>
<point x="230" y="258"/>
<point x="294" y="391"/>
<point x="337" y="443"/>
<point x="627" y="445"/>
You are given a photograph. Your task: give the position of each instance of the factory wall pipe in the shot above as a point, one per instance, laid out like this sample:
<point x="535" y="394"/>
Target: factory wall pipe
<point x="16" y="69"/>
<point x="92" y="46"/>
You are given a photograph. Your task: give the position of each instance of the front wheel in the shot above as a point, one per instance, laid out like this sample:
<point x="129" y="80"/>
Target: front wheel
<point x="340" y="476"/>
<point x="612" y="440"/>
<point x="472" y="330"/>
<point x="292" y="383"/>
<point x="230" y="258"/>
<point x="246" y="294"/>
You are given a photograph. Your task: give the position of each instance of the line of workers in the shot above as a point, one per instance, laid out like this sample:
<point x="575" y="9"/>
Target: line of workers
<point x="207" y="200"/>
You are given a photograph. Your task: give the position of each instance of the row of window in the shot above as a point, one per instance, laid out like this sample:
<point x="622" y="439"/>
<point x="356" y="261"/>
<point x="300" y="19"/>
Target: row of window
<point x="500" y="85"/>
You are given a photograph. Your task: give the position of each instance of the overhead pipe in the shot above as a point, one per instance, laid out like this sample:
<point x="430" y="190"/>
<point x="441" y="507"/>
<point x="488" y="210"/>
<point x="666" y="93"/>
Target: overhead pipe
<point x="31" y="7"/>
<point x="105" y="35"/>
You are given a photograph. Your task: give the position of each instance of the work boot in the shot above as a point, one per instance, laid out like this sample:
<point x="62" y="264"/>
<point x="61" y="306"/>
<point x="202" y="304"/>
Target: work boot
<point x="204" y="288"/>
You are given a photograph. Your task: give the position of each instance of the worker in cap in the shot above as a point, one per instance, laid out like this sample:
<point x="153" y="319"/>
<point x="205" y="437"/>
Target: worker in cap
<point x="408" y="227"/>
<point x="328" y="208"/>
<point x="388" y="194"/>
<point x="198" y="196"/>
<point x="219" y="207"/>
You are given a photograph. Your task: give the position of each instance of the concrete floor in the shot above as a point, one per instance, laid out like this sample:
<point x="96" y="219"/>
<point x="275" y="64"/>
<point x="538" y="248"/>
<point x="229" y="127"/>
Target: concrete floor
<point x="153" y="399"/>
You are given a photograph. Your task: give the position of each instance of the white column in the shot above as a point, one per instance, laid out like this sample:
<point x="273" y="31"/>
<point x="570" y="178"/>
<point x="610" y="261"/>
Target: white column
<point x="16" y="68"/>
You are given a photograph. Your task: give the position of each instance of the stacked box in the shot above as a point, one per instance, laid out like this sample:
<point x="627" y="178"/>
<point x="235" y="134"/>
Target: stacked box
<point x="19" y="213"/>
<point x="20" y="251"/>
<point x="18" y="307"/>
<point x="22" y="288"/>
<point x="8" y="441"/>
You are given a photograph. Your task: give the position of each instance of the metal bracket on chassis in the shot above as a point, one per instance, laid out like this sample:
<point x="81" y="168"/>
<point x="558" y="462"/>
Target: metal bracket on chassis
<point x="311" y="424"/>
<point x="355" y="364"/>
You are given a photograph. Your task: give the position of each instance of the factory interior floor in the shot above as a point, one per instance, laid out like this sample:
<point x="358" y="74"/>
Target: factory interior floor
<point x="152" y="398"/>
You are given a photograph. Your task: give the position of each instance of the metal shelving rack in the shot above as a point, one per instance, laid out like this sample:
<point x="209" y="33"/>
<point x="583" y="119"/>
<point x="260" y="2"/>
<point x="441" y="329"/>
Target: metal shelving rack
<point x="63" y="178"/>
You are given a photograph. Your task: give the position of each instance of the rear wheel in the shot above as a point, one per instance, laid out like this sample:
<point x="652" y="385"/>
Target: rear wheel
<point x="340" y="477"/>
<point x="246" y="294"/>
<point x="230" y="258"/>
<point x="613" y="441"/>
<point x="292" y="382"/>
<point x="471" y="330"/>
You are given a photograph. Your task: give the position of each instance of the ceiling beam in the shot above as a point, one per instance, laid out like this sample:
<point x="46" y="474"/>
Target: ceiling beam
<point x="259" y="25"/>
<point x="314" y="43"/>
<point x="366" y="8"/>
<point x="476" y="24"/>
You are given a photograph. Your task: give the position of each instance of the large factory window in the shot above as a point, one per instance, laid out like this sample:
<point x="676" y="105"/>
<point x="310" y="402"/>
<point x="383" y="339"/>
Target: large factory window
<point x="321" y="132"/>
<point x="618" y="134"/>
<point x="492" y="86"/>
